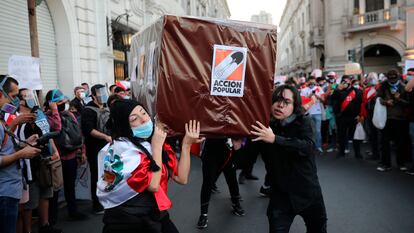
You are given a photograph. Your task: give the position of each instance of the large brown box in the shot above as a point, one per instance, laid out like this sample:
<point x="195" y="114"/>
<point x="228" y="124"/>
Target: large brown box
<point x="171" y="66"/>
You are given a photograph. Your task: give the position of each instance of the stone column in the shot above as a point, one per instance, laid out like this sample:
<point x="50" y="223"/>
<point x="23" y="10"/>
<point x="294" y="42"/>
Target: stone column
<point x="362" y="7"/>
<point x="409" y="52"/>
<point x="387" y="4"/>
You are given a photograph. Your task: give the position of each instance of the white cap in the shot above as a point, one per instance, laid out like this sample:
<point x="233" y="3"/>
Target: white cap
<point x="332" y="74"/>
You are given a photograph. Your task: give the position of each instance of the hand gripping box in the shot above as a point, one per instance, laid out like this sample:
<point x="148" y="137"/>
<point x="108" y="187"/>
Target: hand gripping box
<point x="219" y="72"/>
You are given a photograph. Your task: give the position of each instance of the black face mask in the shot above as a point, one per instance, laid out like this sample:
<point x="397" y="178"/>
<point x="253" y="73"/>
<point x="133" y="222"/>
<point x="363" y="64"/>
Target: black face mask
<point x="61" y="107"/>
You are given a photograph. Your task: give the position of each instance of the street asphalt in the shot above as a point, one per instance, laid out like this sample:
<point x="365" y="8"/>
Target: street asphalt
<point x="358" y="199"/>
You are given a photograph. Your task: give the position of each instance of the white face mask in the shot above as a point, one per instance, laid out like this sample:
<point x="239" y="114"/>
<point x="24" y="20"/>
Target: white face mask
<point x="82" y="95"/>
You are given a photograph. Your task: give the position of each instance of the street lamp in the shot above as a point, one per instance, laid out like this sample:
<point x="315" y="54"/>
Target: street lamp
<point x="126" y="35"/>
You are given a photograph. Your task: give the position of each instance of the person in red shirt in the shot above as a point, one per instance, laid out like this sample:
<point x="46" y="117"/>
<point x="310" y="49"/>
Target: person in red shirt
<point x="135" y="168"/>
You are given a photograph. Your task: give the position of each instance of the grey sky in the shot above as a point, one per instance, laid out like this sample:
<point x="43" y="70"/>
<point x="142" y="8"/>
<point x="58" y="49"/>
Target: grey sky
<point x="244" y="9"/>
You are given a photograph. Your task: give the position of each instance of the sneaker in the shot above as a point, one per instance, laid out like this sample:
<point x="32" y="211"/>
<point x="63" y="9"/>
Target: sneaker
<point x="410" y="172"/>
<point x="237" y="209"/>
<point x="320" y="150"/>
<point x="202" y="221"/>
<point x="383" y="168"/>
<point x="403" y="168"/>
<point x="77" y="216"/>
<point x="264" y="191"/>
<point x="330" y="150"/>
<point x="49" y="229"/>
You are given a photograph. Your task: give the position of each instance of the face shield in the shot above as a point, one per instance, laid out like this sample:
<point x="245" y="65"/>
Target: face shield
<point x="102" y="95"/>
<point x="13" y="106"/>
<point x="31" y="99"/>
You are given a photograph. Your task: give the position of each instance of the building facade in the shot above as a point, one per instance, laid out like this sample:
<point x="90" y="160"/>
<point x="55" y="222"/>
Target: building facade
<point x="80" y="40"/>
<point x="262" y="17"/>
<point x="322" y="34"/>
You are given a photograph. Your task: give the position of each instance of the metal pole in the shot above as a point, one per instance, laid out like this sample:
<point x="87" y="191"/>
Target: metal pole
<point x="34" y="38"/>
<point x="362" y="57"/>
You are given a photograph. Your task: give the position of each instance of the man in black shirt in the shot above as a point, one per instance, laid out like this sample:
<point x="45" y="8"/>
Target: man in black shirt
<point x="95" y="138"/>
<point x="295" y="188"/>
<point x="77" y="104"/>
<point x="347" y="100"/>
<point x="392" y="94"/>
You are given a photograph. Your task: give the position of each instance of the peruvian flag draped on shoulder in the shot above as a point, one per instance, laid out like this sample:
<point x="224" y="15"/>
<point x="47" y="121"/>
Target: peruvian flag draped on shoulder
<point x="117" y="164"/>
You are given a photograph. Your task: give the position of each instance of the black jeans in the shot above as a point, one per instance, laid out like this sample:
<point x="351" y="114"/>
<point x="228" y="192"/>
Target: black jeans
<point x="69" y="168"/>
<point x="93" y="166"/>
<point x="281" y="216"/>
<point x="398" y="132"/>
<point x="374" y="137"/>
<point x="145" y="224"/>
<point x="215" y="161"/>
<point x="250" y="152"/>
<point x="346" y="129"/>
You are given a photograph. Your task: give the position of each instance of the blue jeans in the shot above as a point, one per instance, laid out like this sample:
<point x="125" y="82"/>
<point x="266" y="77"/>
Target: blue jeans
<point x="317" y="121"/>
<point x="9" y="208"/>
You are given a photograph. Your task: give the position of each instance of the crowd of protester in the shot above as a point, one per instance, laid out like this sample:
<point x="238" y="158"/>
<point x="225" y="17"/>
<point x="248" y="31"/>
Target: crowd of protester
<point x="103" y="127"/>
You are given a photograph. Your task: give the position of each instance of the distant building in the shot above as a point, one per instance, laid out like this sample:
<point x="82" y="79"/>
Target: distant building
<point x="84" y="40"/>
<point x="327" y="34"/>
<point x="263" y="17"/>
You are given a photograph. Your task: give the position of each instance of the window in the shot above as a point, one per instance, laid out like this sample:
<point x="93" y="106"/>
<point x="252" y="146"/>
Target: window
<point x="394" y="2"/>
<point x="356" y="7"/>
<point x="374" y="5"/>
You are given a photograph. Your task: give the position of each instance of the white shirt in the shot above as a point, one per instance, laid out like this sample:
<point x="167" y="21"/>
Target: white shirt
<point x="316" y="108"/>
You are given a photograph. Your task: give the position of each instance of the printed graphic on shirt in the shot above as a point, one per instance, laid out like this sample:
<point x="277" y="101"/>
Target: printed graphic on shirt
<point x="228" y="71"/>
<point x="112" y="170"/>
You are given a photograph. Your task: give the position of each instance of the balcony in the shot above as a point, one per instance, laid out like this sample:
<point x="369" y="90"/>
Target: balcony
<point x="394" y="18"/>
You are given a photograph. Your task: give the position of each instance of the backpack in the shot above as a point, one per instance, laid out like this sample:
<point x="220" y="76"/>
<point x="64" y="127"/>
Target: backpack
<point x="70" y="137"/>
<point x="102" y="115"/>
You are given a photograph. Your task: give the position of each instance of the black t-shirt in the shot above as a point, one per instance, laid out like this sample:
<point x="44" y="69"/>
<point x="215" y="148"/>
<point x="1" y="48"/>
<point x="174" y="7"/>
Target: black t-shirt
<point x="89" y="123"/>
<point x="23" y="132"/>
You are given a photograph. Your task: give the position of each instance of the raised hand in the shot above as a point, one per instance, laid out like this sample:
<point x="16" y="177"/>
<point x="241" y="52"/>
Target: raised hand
<point x="158" y="138"/>
<point x="263" y="133"/>
<point x="192" y="133"/>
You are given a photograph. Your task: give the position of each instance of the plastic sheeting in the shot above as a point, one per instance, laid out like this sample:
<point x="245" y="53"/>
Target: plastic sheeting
<point x="171" y="73"/>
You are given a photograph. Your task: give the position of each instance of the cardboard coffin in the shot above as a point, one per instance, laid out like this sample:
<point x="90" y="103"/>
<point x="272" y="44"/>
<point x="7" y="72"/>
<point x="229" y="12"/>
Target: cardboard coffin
<point x="219" y="72"/>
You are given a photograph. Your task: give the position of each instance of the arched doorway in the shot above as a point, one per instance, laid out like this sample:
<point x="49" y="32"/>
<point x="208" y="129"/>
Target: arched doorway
<point x="381" y="58"/>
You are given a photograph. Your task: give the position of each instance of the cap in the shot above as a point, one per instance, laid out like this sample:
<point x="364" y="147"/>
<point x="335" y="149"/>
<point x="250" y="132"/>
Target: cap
<point x="332" y="74"/>
<point x="57" y="95"/>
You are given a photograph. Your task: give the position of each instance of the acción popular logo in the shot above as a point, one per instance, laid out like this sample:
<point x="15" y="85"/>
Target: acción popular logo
<point x="228" y="72"/>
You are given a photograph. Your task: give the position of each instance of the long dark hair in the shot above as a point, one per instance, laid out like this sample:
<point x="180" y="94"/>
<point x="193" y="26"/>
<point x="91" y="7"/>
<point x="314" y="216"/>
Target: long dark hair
<point x="120" y="128"/>
<point x="297" y="100"/>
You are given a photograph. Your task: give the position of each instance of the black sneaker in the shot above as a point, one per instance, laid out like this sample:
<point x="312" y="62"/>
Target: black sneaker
<point x="265" y="192"/>
<point x="49" y="229"/>
<point x="237" y="209"/>
<point x="202" y="221"/>
<point x="383" y="168"/>
<point x="77" y="216"/>
<point x="410" y="172"/>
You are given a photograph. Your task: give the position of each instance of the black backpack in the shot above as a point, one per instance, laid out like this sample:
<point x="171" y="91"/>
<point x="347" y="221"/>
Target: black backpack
<point x="102" y="117"/>
<point x="70" y="137"/>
